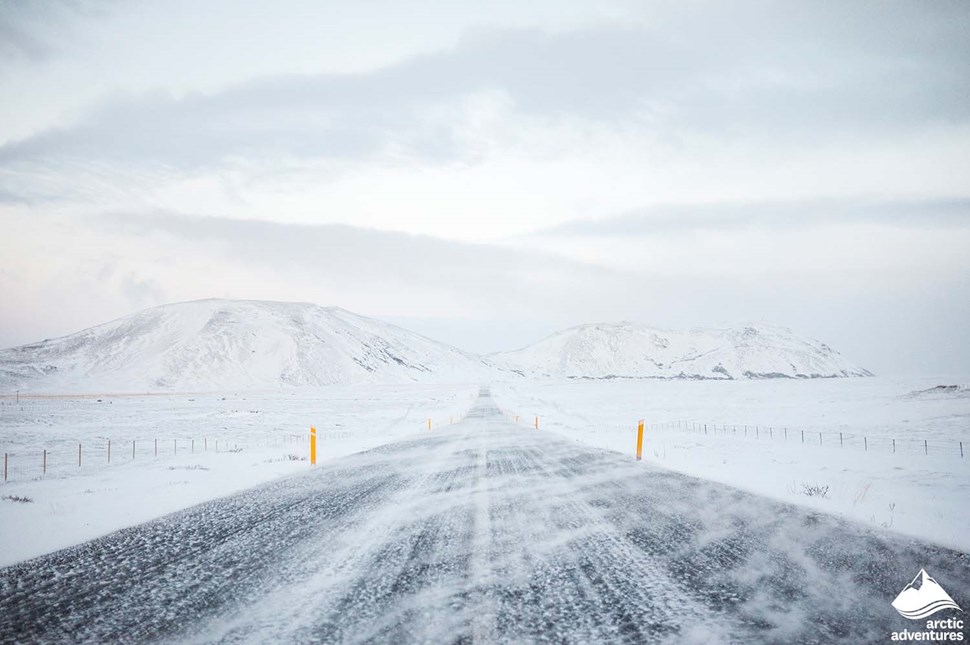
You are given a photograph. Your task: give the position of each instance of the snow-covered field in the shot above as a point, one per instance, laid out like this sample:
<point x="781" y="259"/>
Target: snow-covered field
<point x="480" y="531"/>
<point x="243" y="439"/>
<point x="240" y="440"/>
<point x="920" y="489"/>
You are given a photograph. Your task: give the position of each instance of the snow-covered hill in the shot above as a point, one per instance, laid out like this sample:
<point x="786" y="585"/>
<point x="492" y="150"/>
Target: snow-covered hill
<point x="210" y="345"/>
<point x="629" y="350"/>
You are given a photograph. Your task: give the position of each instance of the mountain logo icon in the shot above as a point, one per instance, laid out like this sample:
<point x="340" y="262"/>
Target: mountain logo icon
<point x="922" y="597"/>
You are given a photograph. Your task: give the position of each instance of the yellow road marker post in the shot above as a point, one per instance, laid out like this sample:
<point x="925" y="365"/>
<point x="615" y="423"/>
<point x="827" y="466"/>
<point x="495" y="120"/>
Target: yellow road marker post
<point x="537" y="423"/>
<point x="313" y="446"/>
<point x="429" y="424"/>
<point x="640" y="440"/>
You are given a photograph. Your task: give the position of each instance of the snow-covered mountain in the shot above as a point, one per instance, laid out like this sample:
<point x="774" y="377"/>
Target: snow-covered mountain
<point x="630" y="350"/>
<point x="225" y="344"/>
<point x="211" y="345"/>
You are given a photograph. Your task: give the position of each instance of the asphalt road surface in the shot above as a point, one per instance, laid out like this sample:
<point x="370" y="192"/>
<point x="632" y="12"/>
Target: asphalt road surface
<point x="482" y="531"/>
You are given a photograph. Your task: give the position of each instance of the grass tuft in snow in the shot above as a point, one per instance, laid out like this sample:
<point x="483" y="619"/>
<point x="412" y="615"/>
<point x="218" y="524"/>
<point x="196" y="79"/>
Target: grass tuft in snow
<point x="810" y="490"/>
<point x="289" y="457"/>
<point x="815" y="490"/>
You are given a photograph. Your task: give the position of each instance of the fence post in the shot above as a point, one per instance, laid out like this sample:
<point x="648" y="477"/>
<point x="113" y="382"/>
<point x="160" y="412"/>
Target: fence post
<point x="840" y="440"/>
<point x="894" y="444"/>
<point x="193" y="447"/>
<point x="45" y="461"/>
<point x="175" y="447"/>
<point x="926" y="448"/>
<point x="803" y="436"/>
<point x="205" y="444"/>
<point x="109" y="451"/>
<point x="786" y="434"/>
<point x="865" y="442"/>
<point x="156" y="447"/>
<point x="79" y="455"/>
<point x="820" y="438"/>
<point x="4" y="468"/>
<point x="757" y="433"/>
<point x="961" y="450"/>
<point x="640" y="440"/>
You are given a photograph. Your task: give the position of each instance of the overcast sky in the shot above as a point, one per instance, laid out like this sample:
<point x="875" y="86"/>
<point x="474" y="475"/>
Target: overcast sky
<point x="488" y="173"/>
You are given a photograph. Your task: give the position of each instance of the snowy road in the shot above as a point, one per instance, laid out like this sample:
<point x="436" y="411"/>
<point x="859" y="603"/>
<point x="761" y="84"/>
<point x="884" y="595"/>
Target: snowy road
<point x="481" y="531"/>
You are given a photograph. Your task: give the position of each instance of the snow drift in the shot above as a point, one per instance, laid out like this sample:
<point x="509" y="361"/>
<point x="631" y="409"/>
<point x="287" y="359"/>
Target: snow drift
<point x="629" y="350"/>
<point x="210" y="345"/>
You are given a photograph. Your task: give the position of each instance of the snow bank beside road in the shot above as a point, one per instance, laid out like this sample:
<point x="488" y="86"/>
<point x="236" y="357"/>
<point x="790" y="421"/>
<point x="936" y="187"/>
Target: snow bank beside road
<point x="907" y="491"/>
<point x="70" y="505"/>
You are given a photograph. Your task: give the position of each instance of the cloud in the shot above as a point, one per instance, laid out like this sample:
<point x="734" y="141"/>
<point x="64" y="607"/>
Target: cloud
<point x="792" y="71"/>
<point x="16" y="42"/>
<point x="141" y="292"/>
<point x="678" y="218"/>
<point x="814" y="155"/>
<point x="861" y="292"/>
<point x="478" y="279"/>
<point x="32" y="31"/>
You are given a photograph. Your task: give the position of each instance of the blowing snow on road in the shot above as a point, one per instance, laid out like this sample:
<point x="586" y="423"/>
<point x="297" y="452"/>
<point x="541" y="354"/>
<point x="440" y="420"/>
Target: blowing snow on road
<point x="484" y="531"/>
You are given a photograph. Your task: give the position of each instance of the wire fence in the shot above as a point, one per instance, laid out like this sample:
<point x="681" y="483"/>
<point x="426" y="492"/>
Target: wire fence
<point x="876" y="442"/>
<point x="63" y="458"/>
<point x="57" y="455"/>
<point x="44" y="405"/>
<point x="848" y="440"/>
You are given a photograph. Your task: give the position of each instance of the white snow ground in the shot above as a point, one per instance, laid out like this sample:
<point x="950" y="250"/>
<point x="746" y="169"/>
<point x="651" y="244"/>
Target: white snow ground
<point x="240" y="440"/>
<point x="907" y="491"/>
<point x="481" y="531"/>
<point x="918" y="494"/>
